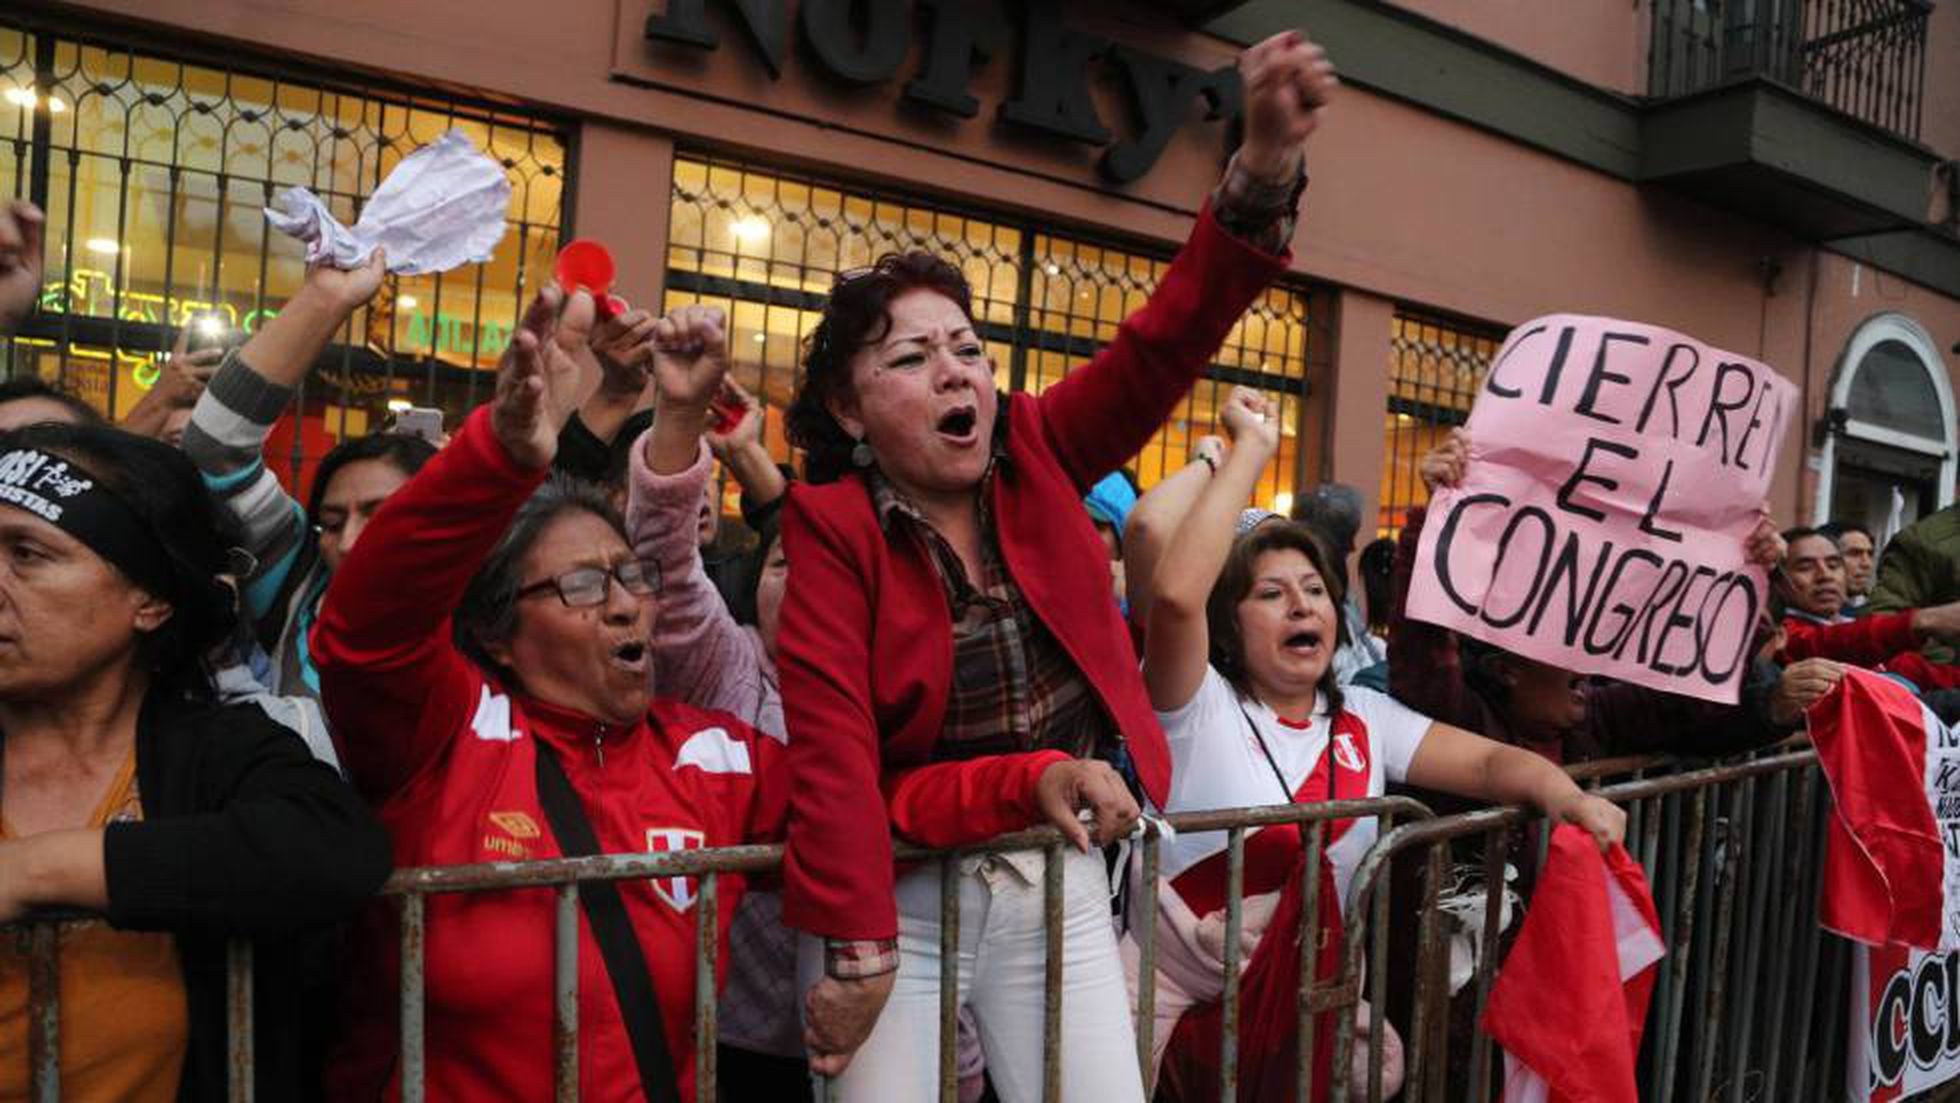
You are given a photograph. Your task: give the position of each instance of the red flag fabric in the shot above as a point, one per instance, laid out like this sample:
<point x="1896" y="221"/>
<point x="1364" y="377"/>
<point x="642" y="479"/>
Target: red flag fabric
<point x="1571" y="999"/>
<point x="1885" y="868"/>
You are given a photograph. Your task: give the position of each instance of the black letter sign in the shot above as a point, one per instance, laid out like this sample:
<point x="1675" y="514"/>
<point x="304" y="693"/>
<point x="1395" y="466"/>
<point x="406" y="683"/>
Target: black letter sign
<point x="686" y="23"/>
<point x="1053" y="90"/>
<point x="832" y="30"/>
<point x="958" y="43"/>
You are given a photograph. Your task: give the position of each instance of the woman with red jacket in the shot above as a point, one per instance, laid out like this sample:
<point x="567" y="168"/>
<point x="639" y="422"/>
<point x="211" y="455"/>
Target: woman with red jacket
<point x="487" y="637"/>
<point x="949" y="600"/>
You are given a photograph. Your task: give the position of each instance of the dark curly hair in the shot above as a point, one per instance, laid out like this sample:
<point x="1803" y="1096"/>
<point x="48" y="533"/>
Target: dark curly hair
<point x="857" y="313"/>
<point x="1235" y="581"/>
<point x="194" y="537"/>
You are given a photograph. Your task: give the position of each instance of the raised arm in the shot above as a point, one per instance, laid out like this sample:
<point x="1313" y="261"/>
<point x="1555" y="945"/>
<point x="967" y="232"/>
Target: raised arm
<point x="1101" y="414"/>
<point x="621" y="393"/>
<point x="251" y="389"/>
<point x="700" y="653"/>
<point x="1156" y="517"/>
<point x="740" y="450"/>
<point x="1425" y="665"/>
<point x="1177" y="639"/>
<point x="393" y="679"/>
<point x="178" y="385"/>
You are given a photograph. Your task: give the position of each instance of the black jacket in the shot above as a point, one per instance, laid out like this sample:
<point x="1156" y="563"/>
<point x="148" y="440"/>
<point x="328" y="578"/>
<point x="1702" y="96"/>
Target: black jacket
<point x="244" y="833"/>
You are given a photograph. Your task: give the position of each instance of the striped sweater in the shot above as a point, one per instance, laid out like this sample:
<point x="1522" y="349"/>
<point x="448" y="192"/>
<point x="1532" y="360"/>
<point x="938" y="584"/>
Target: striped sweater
<point x="226" y="440"/>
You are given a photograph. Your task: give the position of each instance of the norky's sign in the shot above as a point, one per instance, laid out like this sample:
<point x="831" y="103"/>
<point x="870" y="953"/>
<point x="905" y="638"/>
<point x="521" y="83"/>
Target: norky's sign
<point x="864" y="43"/>
<point x="1616" y="471"/>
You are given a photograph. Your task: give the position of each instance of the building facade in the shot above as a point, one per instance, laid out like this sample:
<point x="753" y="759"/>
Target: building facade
<point x="1775" y="177"/>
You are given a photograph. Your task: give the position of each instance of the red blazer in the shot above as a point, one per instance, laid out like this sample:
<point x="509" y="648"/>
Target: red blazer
<point x="866" y="641"/>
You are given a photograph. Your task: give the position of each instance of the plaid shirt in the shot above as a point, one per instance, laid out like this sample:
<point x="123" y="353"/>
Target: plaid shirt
<point x="1014" y="688"/>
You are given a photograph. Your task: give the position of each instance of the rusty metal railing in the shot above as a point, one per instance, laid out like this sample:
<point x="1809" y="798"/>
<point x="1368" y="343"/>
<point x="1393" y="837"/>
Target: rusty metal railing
<point x="1714" y="839"/>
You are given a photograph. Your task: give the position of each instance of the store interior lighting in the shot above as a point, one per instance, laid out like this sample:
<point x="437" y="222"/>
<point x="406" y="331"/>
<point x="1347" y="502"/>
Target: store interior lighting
<point x="103" y="246"/>
<point x="26" y="97"/>
<point x="752" y="230"/>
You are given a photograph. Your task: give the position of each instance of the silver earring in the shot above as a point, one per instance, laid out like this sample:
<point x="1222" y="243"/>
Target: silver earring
<point x="861" y="454"/>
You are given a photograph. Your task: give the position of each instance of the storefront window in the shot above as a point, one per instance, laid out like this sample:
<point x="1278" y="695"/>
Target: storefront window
<point x="766" y="247"/>
<point x="154" y="173"/>
<point x="1434" y="371"/>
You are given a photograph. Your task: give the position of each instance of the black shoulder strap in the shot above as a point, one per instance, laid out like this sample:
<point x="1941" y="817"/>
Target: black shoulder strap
<point x="612" y="929"/>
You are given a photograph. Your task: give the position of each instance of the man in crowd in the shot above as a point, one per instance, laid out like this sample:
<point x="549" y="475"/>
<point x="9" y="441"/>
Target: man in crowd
<point x="1921" y="566"/>
<point x="1812" y="585"/>
<point x="1854" y="543"/>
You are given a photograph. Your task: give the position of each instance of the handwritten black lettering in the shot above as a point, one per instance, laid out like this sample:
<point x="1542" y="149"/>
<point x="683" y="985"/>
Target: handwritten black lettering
<point x="1600" y="376"/>
<point x="1580" y="476"/>
<point x="1719" y="406"/>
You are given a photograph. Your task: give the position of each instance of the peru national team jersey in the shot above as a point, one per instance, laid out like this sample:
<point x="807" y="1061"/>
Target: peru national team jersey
<point x="1217" y="762"/>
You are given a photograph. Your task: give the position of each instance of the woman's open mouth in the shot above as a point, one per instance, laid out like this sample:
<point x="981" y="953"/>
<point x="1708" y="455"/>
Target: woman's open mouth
<point x="959" y="425"/>
<point x="630" y="656"/>
<point x="1302" y="643"/>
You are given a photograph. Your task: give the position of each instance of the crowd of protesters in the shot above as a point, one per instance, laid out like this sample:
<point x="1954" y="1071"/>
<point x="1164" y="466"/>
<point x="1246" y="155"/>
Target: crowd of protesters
<point x="226" y="712"/>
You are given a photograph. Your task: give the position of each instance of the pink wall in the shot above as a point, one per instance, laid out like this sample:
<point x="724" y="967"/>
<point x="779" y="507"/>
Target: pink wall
<point x="1941" y="126"/>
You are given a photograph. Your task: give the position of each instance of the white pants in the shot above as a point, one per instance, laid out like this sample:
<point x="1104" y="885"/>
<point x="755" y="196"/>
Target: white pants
<point x="1002" y="963"/>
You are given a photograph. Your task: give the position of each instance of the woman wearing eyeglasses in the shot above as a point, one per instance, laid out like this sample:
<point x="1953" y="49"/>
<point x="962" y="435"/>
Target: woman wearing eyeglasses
<point x="484" y="654"/>
<point x="949" y="600"/>
<point x="487" y="638"/>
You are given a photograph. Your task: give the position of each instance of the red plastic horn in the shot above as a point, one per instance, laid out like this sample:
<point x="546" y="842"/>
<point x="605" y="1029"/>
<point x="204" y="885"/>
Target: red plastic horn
<point x="585" y="265"/>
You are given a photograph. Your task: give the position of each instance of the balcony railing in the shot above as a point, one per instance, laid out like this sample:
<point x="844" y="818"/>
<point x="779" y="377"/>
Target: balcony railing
<point x="1866" y="58"/>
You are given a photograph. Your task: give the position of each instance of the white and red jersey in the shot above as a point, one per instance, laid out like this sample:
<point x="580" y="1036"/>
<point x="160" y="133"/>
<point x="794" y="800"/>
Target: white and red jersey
<point x="450" y="759"/>
<point x="1217" y="762"/>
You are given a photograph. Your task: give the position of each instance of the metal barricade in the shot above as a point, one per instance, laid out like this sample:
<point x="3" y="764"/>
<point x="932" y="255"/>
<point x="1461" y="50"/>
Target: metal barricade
<point x="1733" y="852"/>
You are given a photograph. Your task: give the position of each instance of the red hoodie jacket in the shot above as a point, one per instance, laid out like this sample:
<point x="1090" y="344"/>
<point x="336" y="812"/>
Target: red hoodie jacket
<point x="867" y="641"/>
<point x="448" y="755"/>
<point x="1867" y="641"/>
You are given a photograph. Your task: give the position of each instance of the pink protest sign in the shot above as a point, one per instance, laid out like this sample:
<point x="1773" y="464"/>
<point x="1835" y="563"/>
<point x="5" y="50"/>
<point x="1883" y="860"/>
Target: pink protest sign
<point x="1615" y="473"/>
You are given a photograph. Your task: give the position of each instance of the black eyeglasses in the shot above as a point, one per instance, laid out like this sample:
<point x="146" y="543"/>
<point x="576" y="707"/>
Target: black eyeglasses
<point x="587" y="586"/>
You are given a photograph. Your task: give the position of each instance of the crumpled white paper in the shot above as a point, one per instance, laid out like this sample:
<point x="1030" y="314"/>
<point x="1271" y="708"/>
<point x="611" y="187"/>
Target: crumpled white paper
<point x="441" y="208"/>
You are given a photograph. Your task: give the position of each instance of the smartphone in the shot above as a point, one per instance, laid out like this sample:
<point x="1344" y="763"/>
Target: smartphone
<point x="420" y="421"/>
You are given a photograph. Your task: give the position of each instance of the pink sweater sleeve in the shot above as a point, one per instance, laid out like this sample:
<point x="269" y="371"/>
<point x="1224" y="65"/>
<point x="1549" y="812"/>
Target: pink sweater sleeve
<point x="700" y="654"/>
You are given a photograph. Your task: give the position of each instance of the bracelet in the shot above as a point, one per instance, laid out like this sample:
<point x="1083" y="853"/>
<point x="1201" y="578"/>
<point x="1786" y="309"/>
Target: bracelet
<point x="1209" y="462"/>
